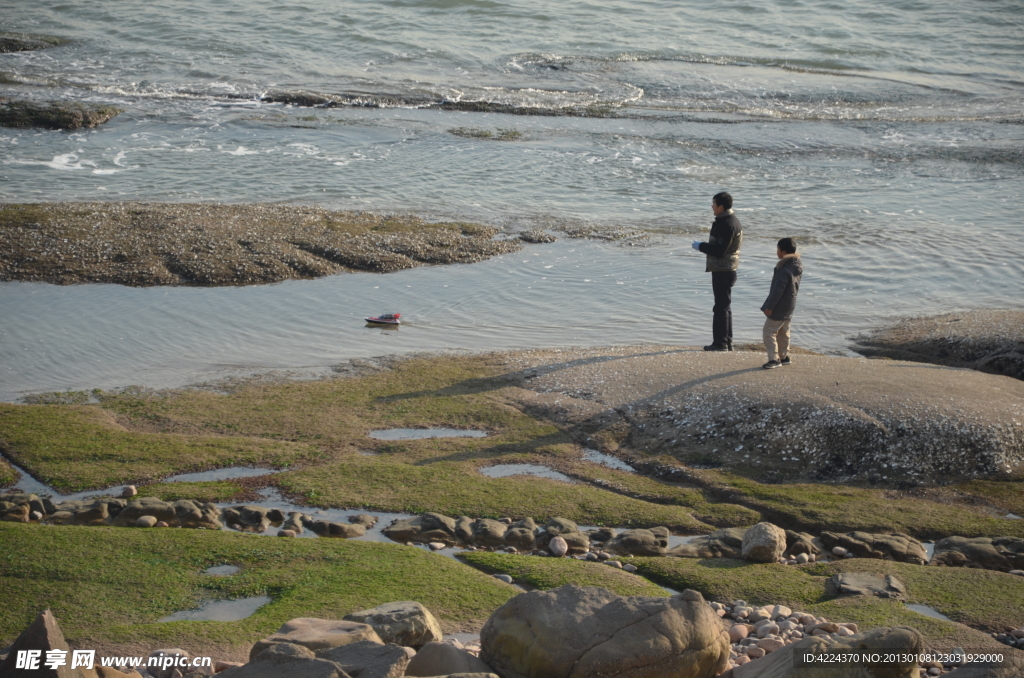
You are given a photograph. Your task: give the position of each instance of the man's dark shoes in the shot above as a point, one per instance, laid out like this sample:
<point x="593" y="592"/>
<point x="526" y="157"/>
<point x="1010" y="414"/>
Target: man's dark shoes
<point x="771" y="364"/>
<point x="785" y="361"/>
<point x="716" y="347"/>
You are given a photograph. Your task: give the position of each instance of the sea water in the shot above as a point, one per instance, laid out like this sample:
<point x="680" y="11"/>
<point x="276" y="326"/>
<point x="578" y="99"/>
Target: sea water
<point x="886" y="137"/>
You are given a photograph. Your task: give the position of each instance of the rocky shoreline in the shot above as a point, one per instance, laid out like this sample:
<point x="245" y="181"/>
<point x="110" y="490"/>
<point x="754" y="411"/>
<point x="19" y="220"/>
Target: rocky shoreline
<point x="149" y="244"/>
<point x="987" y="340"/>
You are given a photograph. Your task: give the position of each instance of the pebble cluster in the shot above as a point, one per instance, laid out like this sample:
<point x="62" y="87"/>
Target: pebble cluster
<point x="758" y="631"/>
<point x="147" y="244"/>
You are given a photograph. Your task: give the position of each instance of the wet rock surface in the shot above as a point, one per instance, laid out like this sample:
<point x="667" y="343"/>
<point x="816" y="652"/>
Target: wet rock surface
<point x="148" y="244"/>
<point x="24" y="42"/>
<point x="66" y="115"/>
<point x="989" y="340"/>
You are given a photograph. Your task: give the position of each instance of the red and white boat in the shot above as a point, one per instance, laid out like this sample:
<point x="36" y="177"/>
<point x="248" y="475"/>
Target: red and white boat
<point x="385" y="319"/>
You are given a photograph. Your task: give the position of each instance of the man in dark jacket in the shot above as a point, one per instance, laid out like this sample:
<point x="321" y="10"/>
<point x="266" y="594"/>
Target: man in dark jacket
<point x="723" y="250"/>
<point x="781" y="303"/>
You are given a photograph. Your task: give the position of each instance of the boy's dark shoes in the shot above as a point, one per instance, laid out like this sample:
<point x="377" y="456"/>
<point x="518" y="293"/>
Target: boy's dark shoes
<point x="716" y="347"/>
<point x="771" y="364"/>
<point x="786" y="361"/>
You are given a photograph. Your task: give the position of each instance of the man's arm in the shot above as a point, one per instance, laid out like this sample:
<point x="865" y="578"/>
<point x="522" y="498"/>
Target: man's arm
<point x="720" y="240"/>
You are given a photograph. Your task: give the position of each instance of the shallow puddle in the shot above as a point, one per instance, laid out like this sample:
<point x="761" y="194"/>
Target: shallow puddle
<point x="221" y="610"/>
<point x="220" y="474"/>
<point x="506" y="470"/>
<point x="421" y="433"/>
<point x="929" y="549"/>
<point x="1012" y="516"/>
<point x="606" y="460"/>
<point x="927" y="611"/>
<point x="222" y="570"/>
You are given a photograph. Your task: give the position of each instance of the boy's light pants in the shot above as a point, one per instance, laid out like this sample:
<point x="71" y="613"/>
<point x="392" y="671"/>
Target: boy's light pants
<point x="776" y="338"/>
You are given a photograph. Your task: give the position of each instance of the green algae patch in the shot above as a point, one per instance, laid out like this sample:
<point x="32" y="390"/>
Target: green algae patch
<point x="549" y="573"/>
<point x="80" y="447"/>
<point x="107" y="586"/>
<point x="653" y="490"/>
<point x="842" y="508"/>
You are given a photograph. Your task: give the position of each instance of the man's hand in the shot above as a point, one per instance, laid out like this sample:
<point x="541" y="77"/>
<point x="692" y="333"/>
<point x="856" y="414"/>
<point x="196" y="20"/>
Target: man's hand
<point x="768" y="313"/>
<point x="696" y="245"/>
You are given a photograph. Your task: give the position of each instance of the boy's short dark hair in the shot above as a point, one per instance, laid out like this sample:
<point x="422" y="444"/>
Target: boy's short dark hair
<point x="788" y="245"/>
<point x="723" y="199"/>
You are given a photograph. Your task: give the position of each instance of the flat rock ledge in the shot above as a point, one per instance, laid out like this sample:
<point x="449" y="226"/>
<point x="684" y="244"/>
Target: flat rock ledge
<point x="821" y="419"/>
<point x="988" y="340"/>
<point x="66" y="115"/>
<point x="150" y="244"/>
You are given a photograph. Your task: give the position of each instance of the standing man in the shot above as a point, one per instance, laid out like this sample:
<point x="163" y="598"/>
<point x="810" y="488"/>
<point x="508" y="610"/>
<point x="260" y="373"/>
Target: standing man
<point x="723" y="250"/>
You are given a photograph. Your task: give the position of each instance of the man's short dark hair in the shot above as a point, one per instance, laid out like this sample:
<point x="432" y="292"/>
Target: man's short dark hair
<point x="788" y="245"/>
<point x="723" y="199"/>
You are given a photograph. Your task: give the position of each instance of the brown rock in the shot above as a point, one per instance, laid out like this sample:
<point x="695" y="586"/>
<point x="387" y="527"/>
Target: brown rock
<point x="763" y="543"/>
<point x="442" y="659"/>
<point x="367" y="659"/>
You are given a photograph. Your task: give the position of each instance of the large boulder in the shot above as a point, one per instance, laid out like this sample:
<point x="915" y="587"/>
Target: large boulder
<point x="367" y="659"/>
<point x="316" y="634"/>
<point x="789" y="661"/>
<point x="724" y="543"/>
<point x="405" y="623"/>
<point x="44" y="635"/>
<point x="442" y="659"/>
<point x="425" y="528"/>
<point x="146" y="506"/>
<point x="1001" y="553"/>
<point x="639" y="542"/>
<point x="577" y="632"/>
<point x="895" y="546"/>
<point x="763" y="543"/>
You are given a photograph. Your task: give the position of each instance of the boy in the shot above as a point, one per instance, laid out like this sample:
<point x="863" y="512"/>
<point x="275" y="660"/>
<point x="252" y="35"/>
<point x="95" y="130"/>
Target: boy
<point x="780" y="303"/>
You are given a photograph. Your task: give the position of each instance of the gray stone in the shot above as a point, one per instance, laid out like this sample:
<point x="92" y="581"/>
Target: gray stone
<point x="442" y="659"/>
<point x="503" y="577"/>
<point x="638" y="542"/>
<point x="763" y="543"/>
<point x="403" y="623"/>
<point x="521" y="537"/>
<point x="866" y="584"/>
<point x="367" y="659"/>
<point x="423" y="529"/>
<point x="558" y="547"/>
<point x="577" y="632"/>
<point x="146" y="521"/>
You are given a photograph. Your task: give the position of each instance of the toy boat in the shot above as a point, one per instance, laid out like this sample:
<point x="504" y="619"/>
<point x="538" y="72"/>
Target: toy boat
<point x="385" y="319"/>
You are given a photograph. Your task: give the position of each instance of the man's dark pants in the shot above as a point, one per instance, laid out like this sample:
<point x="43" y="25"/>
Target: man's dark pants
<point x="721" y="324"/>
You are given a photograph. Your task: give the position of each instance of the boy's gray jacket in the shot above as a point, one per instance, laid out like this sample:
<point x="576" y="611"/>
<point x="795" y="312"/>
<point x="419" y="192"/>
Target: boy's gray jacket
<point x="723" y="246"/>
<point x="785" y="285"/>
